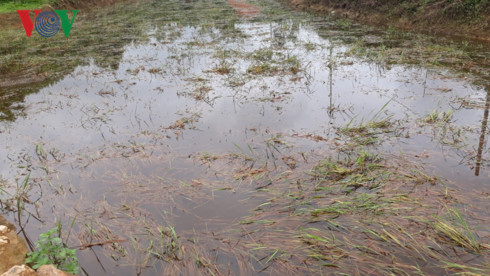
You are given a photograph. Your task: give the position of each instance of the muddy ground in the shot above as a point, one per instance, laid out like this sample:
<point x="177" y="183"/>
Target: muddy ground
<point x="232" y="138"/>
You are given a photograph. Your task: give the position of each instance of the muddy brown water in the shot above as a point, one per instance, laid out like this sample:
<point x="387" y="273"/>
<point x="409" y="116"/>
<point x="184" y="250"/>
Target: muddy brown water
<point x="121" y="151"/>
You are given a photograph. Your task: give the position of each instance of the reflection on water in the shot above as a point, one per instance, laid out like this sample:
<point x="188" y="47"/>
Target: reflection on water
<point x="482" y="135"/>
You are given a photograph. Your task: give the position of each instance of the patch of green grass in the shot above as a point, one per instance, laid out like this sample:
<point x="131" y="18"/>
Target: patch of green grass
<point x="331" y="170"/>
<point x="365" y="159"/>
<point x="448" y="50"/>
<point x="343" y="23"/>
<point x="365" y="128"/>
<point x="7" y="6"/>
<point x="263" y="55"/>
<point x="266" y="62"/>
<point x="437" y="116"/>
<point x="359" y="169"/>
<point x="167" y="246"/>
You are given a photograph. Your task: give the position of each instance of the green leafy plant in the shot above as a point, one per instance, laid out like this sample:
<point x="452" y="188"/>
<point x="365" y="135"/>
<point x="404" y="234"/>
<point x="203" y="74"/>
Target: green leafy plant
<point x="50" y="249"/>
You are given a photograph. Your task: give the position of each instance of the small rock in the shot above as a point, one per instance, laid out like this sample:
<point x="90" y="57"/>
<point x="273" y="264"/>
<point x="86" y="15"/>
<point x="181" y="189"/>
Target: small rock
<point x="20" y="270"/>
<point x="51" y="270"/>
<point x="3" y="229"/>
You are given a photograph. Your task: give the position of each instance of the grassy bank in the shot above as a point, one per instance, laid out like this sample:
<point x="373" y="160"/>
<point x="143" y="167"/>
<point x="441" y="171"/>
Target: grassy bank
<point x="10" y="6"/>
<point x="7" y="6"/>
<point x="466" y="18"/>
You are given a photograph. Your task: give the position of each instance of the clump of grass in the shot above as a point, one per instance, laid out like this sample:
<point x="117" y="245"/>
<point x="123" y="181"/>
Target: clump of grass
<point x="369" y="128"/>
<point x="261" y="69"/>
<point x="208" y="157"/>
<point x="366" y="127"/>
<point x="168" y="245"/>
<point x="379" y="54"/>
<point x="365" y="160"/>
<point x="454" y="229"/>
<point x="184" y="122"/>
<point x="236" y="81"/>
<point x="363" y="169"/>
<point x="263" y="55"/>
<point x="223" y="68"/>
<point x="269" y="63"/>
<point x="436" y="116"/>
<point x="292" y="64"/>
<point x="202" y="92"/>
<point x="343" y="23"/>
<point x="330" y="170"/>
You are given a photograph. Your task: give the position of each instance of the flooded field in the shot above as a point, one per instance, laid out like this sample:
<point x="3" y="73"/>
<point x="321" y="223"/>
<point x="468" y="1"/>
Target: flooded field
<point x="232" y="138"/>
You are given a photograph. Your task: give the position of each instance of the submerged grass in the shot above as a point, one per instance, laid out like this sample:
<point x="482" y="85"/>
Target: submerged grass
<point x="366" y="127"/>
<point x="368" y="227"/>
<point x="456" y="230"/>
<point x="268" y="62"/>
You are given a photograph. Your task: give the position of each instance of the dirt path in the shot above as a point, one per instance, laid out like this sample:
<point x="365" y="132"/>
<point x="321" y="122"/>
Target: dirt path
<point x="244" y="9"/>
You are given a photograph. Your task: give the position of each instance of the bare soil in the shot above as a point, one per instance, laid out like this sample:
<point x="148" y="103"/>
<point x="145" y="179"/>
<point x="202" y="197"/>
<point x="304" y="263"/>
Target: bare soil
<point x="244" y="9"/>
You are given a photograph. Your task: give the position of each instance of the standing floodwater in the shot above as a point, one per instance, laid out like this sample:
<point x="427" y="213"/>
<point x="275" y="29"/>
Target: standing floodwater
<point x="232" y="138"/>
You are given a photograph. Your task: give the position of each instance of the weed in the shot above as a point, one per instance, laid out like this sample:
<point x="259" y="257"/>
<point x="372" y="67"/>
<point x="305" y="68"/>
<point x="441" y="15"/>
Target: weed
<point x="50" y="249"/>
<point x="168" y="245"/>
